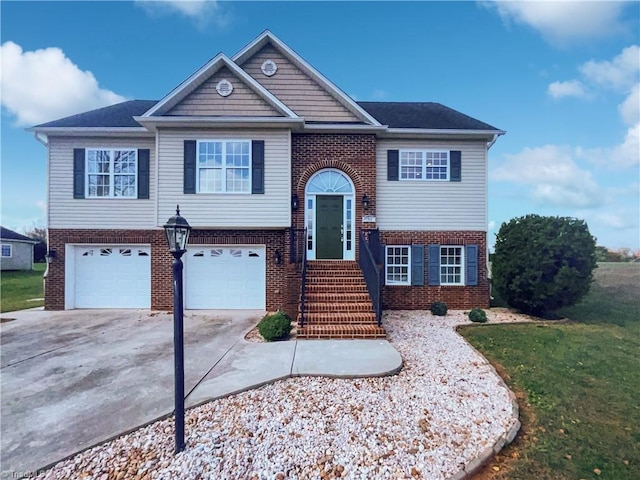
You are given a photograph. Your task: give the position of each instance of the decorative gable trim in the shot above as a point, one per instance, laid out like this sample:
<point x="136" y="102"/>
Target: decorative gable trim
<point x="268" y="37"/>
<point x="199" y="77"/>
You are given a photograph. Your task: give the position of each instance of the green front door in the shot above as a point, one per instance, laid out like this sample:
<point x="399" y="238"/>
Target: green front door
<point x="329" y="227"/>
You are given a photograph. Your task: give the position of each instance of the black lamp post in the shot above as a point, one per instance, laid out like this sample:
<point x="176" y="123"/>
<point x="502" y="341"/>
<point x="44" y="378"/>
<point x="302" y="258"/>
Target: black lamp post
<point x="177" y="230"/>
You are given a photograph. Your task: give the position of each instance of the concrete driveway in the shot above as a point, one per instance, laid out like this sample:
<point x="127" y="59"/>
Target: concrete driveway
<point x="72" y="379"/>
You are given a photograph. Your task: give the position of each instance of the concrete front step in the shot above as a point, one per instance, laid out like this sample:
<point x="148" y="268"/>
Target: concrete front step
<point x="340" y="306"/>
<point x="340" y="331"/>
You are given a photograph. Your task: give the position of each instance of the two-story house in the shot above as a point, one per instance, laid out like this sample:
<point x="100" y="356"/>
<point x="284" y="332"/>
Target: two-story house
<point x="296" y="193"/>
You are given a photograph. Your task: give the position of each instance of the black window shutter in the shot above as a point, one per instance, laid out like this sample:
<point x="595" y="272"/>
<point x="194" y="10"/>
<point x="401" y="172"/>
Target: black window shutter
<point x="393" y="165"/>
<point x="472" y="265"/>
<point x="257" y="166"/>
<point x="455" y="165"/>
<point x="143" y="172"/>
<point x="434" y="264"/>
<point x="383" y="256"/>
<point x="189" y="166"/>
<point x="78" y="172"/>
<point x="417" y="265"/>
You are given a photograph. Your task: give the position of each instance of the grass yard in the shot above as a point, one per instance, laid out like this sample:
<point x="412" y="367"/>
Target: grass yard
<point x="17" y="288"/>
<point x="578" y="382"/>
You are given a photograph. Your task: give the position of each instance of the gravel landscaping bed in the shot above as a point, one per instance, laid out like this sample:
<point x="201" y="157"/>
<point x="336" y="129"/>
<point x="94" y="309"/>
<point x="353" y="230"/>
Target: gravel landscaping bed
<point x="441" y="412"/>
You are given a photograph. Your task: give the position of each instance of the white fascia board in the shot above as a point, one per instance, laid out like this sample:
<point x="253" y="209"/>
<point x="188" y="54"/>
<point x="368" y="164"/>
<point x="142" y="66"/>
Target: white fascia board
<point x="15" y="240"/>
<point x="338" y="94"/>
<point x="195" y="80"/>
<point x="336" y="127"/>
<point x="262" y="122"/>
<point x="100" y="131"/>
<point x="488" y="135"/>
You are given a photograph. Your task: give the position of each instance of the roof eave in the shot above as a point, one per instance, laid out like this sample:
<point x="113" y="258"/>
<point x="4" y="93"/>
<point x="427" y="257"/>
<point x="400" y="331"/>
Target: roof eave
<point x="100" y="131"/>
<point x="442" y="132"/>
<point x="152" y="123"/>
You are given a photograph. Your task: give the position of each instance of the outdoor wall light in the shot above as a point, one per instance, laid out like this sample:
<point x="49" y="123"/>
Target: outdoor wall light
<point x="294" y="202"/>
<point x="177" y="230"/>
<point x="365" y="202"/>
<point x="277" y="257"/>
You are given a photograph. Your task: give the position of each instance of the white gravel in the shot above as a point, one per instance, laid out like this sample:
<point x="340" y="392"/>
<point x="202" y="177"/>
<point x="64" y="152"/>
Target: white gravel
<point x="442" y="410"/>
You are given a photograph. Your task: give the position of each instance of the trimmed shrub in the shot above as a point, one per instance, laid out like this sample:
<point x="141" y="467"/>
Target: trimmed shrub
<point x="275" y="326"/>
<point x="477" y="315"/>
<point x="543" y="263"/>
<point x="439" y="309"/>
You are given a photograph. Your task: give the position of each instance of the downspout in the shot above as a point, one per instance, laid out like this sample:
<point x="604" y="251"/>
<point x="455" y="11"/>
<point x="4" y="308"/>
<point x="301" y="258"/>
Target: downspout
<point x="40" y="140"/>
<point x="157" y="206"/>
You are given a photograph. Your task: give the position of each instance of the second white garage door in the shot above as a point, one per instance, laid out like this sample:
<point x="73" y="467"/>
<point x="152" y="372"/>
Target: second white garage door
<point x="225" y="277"/>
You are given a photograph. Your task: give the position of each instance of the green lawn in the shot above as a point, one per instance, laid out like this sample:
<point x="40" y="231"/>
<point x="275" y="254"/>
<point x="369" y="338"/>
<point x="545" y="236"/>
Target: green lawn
<point x="579" y="380"/>
<point x="17" y="288"/>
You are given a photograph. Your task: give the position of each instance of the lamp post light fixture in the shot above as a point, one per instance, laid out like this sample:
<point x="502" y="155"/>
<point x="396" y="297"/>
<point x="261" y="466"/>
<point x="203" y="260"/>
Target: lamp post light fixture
<point x="177" y="230"/>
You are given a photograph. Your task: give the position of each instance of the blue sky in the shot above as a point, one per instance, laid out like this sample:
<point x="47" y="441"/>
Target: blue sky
<point x="562" y="78"/>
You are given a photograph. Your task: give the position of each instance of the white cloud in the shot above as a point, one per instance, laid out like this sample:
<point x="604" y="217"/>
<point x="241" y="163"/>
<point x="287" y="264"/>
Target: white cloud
<point x="200" y="11"/>
<point x="492" y="224"/>
<point x="379" y="94"/>
<point x="624" y="155"/>
<point x="630" y="108"/>
<point x="563" y="22"/>
<point x="42" y="85"/>
<point x="571" y="88"/>
<point x="553" y="176"/>
<point x="619" y="75"/>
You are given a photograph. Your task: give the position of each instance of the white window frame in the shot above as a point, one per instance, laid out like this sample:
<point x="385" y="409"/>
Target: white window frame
<point x="5" y="245"/>
<point x="387" y="265"/>
<point x="223" y="167"/>
<point x="112" y="174"/>
<point x="424" y="164"/>
<point x="462" y="265"/>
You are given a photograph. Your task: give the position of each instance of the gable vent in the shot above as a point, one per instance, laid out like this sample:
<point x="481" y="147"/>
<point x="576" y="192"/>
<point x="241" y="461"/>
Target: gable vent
<point x="269" y="68"/>
<point x="224" y="88"/>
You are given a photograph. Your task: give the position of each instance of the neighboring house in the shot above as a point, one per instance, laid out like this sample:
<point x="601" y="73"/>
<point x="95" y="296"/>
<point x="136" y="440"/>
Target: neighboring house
<point x="255" y="148"/>
<point x="17" y="250"/>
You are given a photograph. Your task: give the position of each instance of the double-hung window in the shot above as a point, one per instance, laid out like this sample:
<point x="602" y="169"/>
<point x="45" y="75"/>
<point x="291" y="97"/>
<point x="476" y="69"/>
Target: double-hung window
<point x="424" y="165"/>
<point x="397" y="265"/>
<point x="6" y="251"/>
<point x="111" y="172"/>
<point x="224" y="166"/>
<point x="451" y="265"/>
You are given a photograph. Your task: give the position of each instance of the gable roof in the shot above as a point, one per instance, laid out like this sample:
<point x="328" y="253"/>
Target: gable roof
<point x="202" y="75"/>
<point x="118" y="115"/>
<point x="423" y="115"/>
<point x="7" y="234"/>
<point x="267" y="37"/>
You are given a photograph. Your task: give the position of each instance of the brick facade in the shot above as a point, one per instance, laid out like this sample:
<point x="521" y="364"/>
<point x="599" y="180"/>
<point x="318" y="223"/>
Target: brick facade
<point x="401" y="297"/>
<point x="161" y="259"/>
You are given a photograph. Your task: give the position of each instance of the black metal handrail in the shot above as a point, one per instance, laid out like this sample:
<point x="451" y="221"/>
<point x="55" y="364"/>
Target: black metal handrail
<point x="297" y="239"/>
<point x="372" y="271"/>
<point x="304" y="281"/>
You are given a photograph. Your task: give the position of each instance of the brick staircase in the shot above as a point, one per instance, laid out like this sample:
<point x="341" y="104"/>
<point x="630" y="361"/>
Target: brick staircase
<point x="337" y="303"/>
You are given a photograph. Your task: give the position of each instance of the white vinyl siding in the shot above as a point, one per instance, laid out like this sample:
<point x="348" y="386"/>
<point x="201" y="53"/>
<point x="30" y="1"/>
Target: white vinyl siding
<point x="101" y="213"/>
<point x="433" y="205"/>
<point x="220" y="210"/>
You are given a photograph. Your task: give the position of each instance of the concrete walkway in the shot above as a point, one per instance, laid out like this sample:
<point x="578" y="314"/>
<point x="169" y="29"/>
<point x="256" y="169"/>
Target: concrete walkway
<point x="71" y="380"/>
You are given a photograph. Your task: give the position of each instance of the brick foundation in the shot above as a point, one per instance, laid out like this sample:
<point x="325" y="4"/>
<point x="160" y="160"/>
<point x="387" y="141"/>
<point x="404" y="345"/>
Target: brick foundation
<point x="456" y="297"/>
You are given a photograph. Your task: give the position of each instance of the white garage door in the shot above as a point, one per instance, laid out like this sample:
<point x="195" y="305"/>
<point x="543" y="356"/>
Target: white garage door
<point x="112" y="276"/>
<point x="225" y="277"/>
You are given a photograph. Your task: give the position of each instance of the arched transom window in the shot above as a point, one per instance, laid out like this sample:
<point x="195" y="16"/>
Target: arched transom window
<point x="329" y="181"/>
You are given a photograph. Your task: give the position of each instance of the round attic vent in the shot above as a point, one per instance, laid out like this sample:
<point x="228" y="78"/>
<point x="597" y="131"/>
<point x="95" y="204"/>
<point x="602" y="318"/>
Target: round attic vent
<point x="269" y="68"/>
<point x="224" y="88"/>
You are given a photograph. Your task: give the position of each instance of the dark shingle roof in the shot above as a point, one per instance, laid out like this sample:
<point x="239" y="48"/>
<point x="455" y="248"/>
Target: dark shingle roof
<point x="426" y="115"/>
<point x="118" y="115"/>
<point x="7" y="234"/>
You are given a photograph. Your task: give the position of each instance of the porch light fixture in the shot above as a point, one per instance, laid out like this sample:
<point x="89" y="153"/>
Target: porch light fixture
<point x="365" y="202"/>
<point x="294" y="202"/>
<point x="277" y="257"/>
<point x="177" y="230"/>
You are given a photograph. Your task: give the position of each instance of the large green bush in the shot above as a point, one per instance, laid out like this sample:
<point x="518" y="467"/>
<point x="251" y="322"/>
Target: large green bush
<point x="543" y="263"/>
<point x="275" y="326"/>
